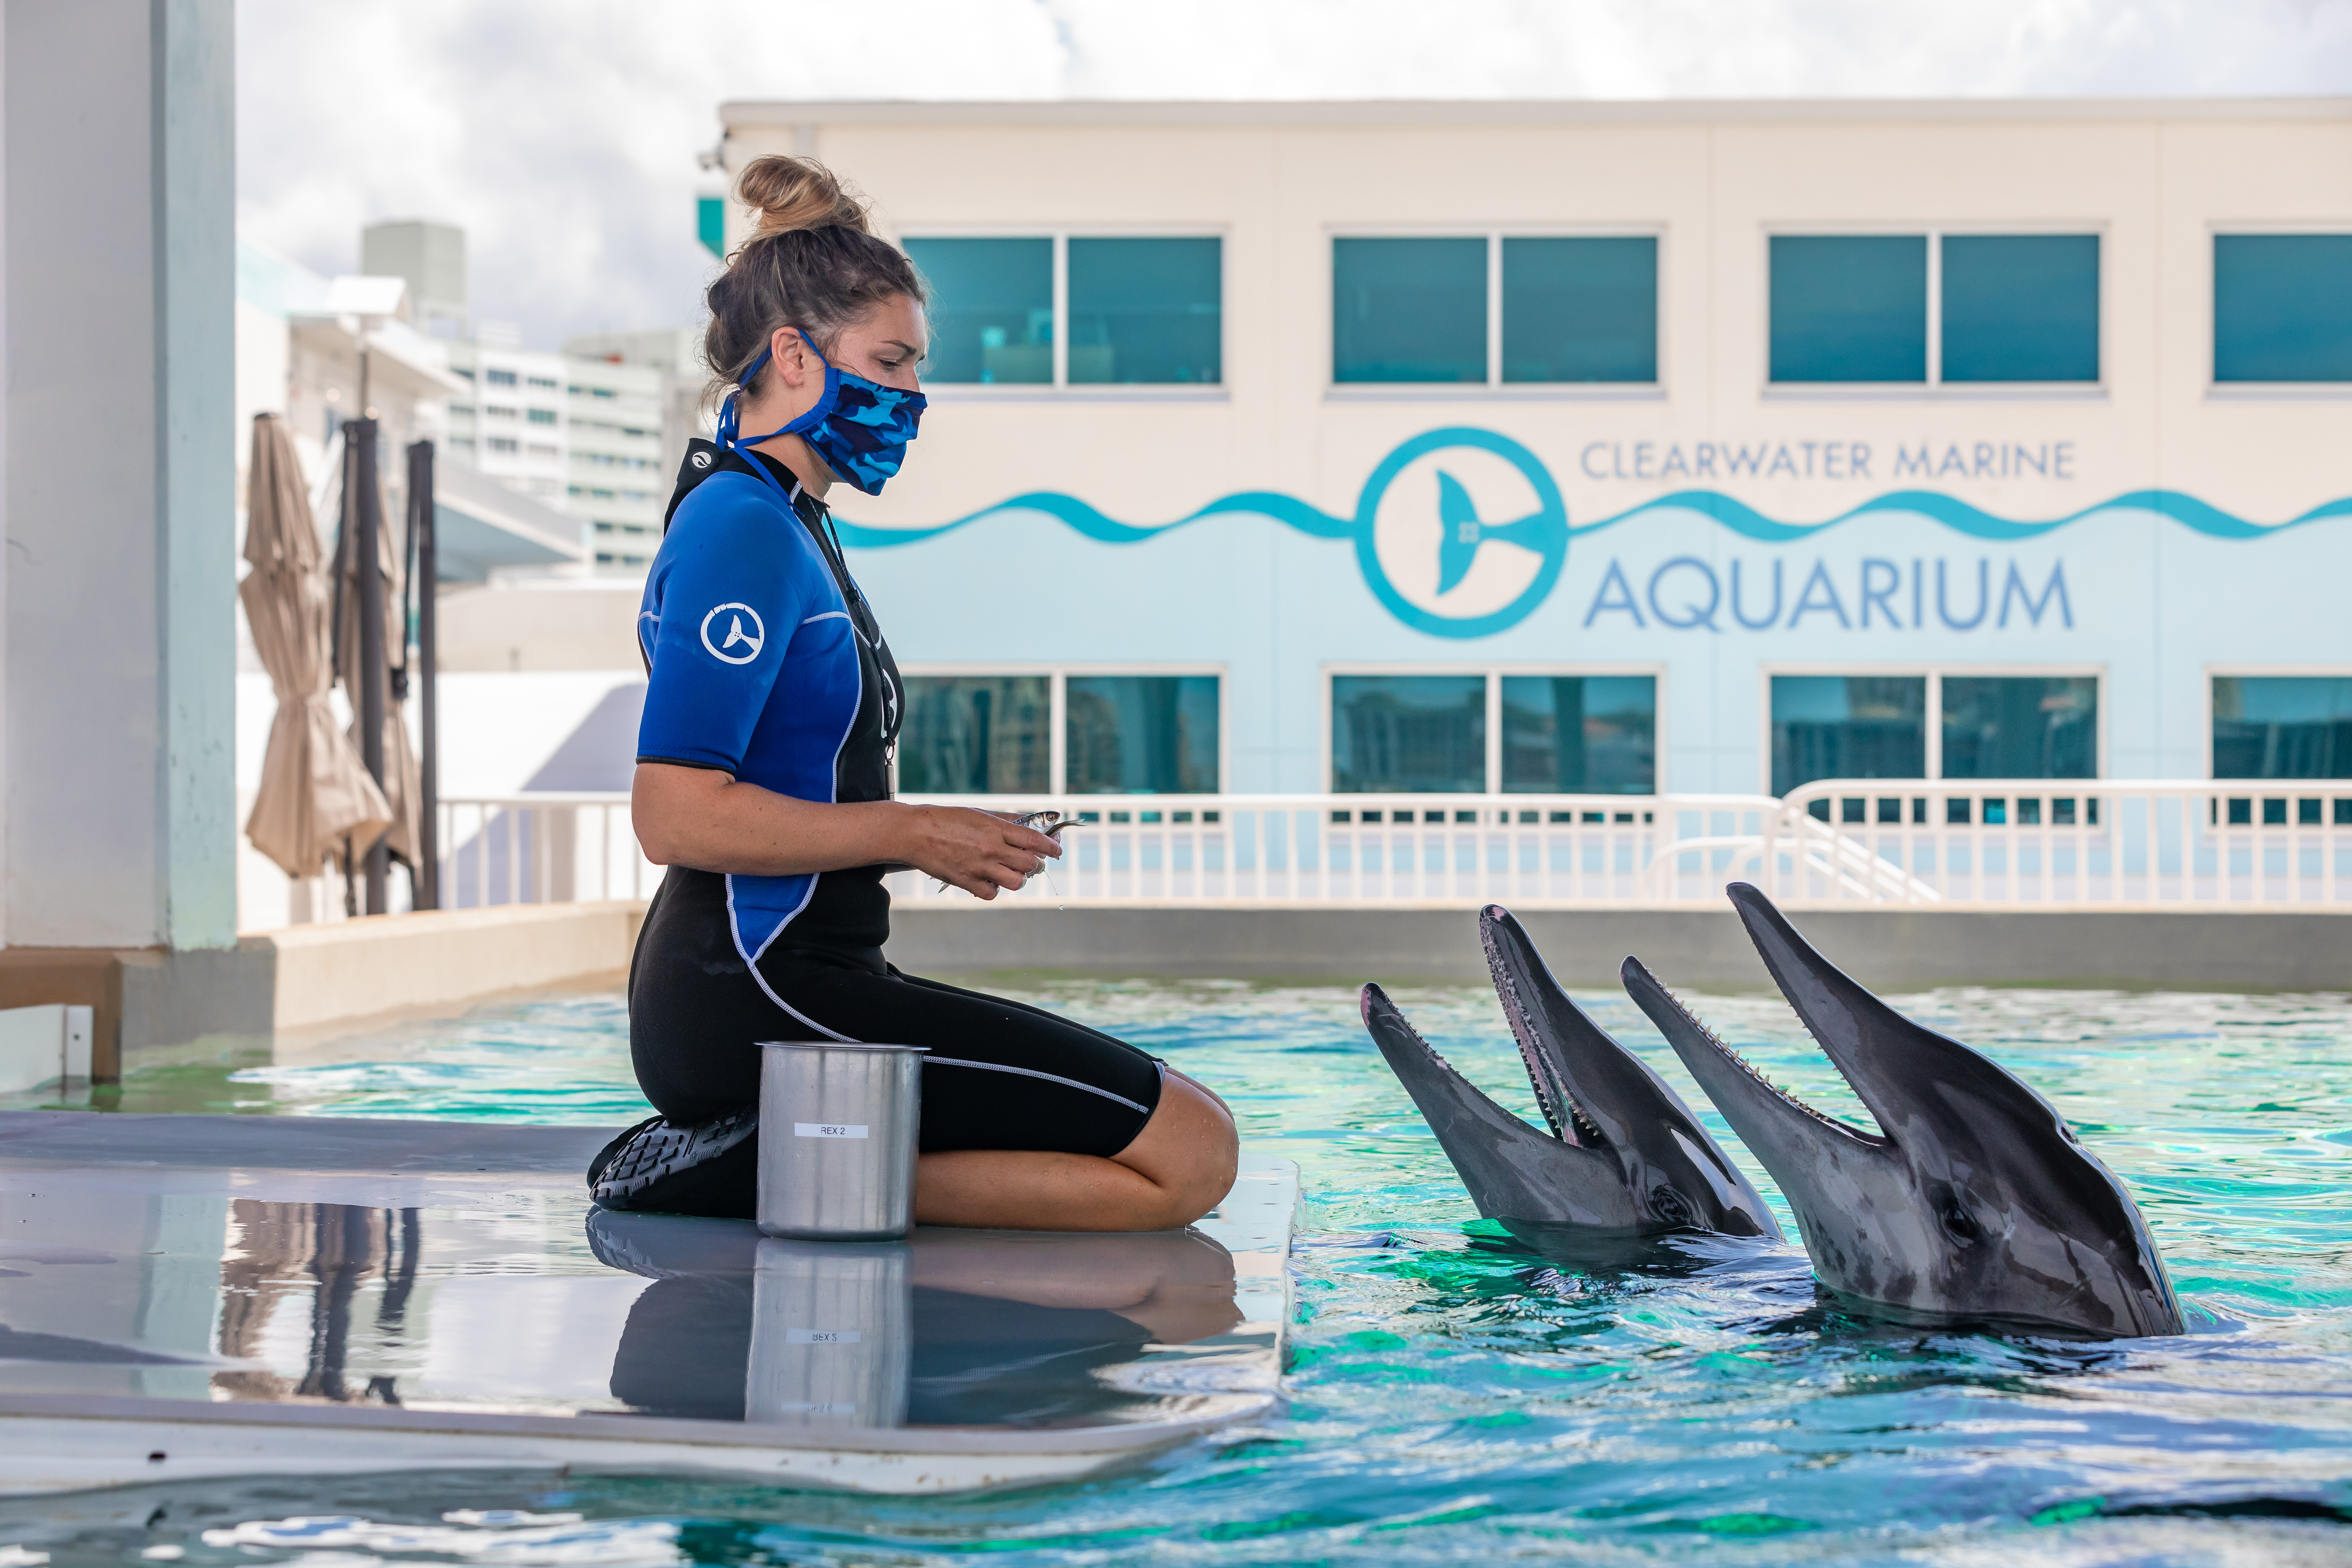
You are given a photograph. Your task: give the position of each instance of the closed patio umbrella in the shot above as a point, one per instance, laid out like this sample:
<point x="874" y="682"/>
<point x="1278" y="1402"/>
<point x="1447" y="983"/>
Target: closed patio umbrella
<point x="403" y="779"/>
<point x="315" y="791"/>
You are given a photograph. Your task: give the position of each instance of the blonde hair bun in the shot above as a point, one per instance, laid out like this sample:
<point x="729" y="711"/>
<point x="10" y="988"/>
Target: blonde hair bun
<point x="790" y="193"/>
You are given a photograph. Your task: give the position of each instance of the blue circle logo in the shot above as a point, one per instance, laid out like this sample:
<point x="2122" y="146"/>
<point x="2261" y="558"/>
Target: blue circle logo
<point x="1423" y="549"/>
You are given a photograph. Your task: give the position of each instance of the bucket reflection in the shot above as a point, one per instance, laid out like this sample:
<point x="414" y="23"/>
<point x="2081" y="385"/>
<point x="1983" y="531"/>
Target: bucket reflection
<point x="832" y="1333"/>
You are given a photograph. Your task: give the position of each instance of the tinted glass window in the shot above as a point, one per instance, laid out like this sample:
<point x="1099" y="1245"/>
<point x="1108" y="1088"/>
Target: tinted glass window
<point x="1576" y="734"/>
<point x="2009" y="727"/>
<point x="976" y="734"/>
<point x="1409" y="733"/>
<point x="2020" y="307"/>
<point x="1848" y="727"/>
<point x="992" y="309"/>
<point x="2281" y="727"/>
<point x="2283" y="307"/>
<point x="1849" y="307"/>
<point x="1153" y="734"/>
<point x="1408" y="309"/>
<point x="1581" y="309"/>
<point x="1146" y="311"/>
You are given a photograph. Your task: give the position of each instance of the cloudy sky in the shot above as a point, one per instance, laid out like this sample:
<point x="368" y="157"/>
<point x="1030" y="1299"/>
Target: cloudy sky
<point x="562" y="133"/>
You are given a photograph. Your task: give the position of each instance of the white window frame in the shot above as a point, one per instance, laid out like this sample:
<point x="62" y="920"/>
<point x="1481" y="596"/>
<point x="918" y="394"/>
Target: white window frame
<point x="1935" y="387"/>
<point x="1935" y="674"/>
<point x="1062" y="388"/>
<point x="2257" y="671"/>
<point x="1493" y="671"/>
<point x="1057" y="711"/>
<point x="2258" y="391"/>
<point x="1493" y="387"/>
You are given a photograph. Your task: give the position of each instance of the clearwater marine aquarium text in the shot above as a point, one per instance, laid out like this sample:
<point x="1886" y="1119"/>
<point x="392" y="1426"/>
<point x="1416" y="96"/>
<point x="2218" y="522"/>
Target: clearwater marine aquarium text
<point x="1430" y="510"/>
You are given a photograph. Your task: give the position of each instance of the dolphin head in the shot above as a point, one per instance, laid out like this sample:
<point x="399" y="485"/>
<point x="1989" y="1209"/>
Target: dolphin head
<point x="1623" y="1155"/>
<point x="1972" y="1200"/>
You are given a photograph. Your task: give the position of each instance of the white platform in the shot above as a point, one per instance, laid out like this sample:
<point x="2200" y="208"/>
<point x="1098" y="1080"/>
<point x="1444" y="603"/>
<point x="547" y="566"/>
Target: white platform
<point x="214" y="1296"/>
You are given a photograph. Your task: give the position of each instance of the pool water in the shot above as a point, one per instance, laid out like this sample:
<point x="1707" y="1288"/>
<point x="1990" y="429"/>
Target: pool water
<point x="1454" y="1397"/>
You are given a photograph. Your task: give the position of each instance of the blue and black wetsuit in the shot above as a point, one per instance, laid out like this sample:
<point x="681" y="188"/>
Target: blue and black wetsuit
<point x="765" y="662"/>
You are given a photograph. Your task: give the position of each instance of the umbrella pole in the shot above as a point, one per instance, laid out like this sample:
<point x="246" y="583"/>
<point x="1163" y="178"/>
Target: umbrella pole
<point x="428" y="824"/>
<point x="360" y="433"/>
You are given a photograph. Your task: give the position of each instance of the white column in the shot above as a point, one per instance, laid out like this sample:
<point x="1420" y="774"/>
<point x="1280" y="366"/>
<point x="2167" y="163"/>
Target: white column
<point x="118" y="277"/>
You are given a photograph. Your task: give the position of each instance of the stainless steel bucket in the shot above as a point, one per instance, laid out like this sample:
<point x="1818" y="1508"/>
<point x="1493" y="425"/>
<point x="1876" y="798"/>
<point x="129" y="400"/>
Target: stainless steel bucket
<point x="831" y="1334"/>
<point x="837" y="1126"/>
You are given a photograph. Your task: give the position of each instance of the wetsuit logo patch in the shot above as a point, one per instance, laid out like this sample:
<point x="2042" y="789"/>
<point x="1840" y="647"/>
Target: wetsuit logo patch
<point x="742" y="634"/>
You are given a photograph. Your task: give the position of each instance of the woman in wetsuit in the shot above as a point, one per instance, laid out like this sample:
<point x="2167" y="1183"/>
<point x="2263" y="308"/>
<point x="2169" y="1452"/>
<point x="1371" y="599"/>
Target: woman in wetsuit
<point x="763" y="784"/>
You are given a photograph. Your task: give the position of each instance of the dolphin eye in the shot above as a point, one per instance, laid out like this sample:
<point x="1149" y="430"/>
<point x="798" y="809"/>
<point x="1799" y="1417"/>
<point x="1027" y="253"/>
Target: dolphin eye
<point x="1671" y="1206"/>
<point x="1960" y="1224"/>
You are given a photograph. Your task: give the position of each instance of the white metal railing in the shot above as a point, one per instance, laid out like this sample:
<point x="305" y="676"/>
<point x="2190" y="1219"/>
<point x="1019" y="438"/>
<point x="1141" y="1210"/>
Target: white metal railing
<point x="1969" y="843"/>
<point x="2218" y="843"/>
<point x="541" y="848"/>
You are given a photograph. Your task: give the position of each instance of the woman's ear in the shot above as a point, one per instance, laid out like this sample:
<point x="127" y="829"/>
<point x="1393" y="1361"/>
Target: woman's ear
<point x="792" y="358"/>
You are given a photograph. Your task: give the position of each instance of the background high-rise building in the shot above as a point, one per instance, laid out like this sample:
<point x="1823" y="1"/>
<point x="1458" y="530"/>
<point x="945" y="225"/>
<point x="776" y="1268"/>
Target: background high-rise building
<point x="432" y="258"/>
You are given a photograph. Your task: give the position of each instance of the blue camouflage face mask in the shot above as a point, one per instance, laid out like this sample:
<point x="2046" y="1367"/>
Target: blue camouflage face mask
<point x="859" y="427"/>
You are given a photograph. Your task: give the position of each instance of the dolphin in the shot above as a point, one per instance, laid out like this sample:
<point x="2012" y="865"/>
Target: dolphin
<point x="1625" y="1157"/>
<point x="1972" y="1201"/>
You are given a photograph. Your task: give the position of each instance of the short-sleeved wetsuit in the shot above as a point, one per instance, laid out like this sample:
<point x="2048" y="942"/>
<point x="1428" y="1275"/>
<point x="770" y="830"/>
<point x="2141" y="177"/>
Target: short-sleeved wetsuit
<point x="765" y="662"/>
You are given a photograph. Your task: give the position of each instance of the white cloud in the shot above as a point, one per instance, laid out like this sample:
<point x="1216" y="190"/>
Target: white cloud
<point x="561" y="133"/>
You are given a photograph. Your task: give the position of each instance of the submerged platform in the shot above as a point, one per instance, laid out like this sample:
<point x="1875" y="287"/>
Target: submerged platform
<point x="187" y="1296"/>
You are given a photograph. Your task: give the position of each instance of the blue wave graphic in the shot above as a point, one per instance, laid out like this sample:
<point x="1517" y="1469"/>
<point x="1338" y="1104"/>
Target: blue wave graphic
<point x="1288" y="511"/>
<point x="2197" y="516"/>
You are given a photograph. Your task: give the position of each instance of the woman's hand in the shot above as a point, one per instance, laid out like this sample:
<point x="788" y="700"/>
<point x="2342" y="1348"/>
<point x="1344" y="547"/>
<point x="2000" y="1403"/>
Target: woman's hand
<point x="978" y="852"/>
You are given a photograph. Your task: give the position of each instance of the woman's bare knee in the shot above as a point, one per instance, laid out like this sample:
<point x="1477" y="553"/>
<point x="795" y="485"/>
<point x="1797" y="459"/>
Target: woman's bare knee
<point x="1187" y="1150"/>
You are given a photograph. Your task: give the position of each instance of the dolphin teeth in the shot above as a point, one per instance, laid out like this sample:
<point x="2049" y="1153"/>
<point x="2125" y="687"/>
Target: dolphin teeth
<point x="1756" y="1072"/>
<point x="1578" y="1129"/>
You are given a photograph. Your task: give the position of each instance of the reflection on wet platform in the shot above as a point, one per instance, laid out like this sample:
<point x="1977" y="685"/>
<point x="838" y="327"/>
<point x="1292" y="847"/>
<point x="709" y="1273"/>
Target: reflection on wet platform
<point x="186" y="1280"/>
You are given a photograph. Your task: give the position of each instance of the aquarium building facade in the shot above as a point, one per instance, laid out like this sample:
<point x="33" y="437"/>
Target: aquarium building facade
<point x="1571" y="448"/>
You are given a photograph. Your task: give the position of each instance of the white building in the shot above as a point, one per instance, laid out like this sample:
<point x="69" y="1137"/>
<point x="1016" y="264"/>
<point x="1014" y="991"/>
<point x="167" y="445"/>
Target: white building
<point x="1494" y="446"/>
<point x="616" y="479"/>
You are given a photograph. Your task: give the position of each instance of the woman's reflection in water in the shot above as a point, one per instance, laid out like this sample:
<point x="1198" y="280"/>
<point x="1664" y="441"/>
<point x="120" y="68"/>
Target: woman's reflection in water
<point x="1009" y="1328"/>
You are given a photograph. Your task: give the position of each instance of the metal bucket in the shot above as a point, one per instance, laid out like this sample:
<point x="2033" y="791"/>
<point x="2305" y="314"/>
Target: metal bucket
<point x="838" y="1124"/>
<point x="831" y="1334"/>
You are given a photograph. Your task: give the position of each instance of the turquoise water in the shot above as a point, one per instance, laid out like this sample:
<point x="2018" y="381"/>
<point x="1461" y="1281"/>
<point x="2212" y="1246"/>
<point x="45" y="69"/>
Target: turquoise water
<point x="1456" y="1399"/>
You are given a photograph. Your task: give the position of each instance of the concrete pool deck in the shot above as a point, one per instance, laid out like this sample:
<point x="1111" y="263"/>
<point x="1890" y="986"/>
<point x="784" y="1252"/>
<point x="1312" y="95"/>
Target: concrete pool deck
<point x="192" y="1295"/>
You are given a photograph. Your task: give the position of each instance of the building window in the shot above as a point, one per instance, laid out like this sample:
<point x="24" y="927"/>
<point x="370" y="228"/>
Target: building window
<point x="2021" y="727"/>
<point x="1146" y="311"/>
<point x="1409" y="310"/>
<point x="985" y="732"/>
<point x="1147" y="735"/>
<point x="2283" y="307"/>
<point x="1580" y="734"/>
<point x="1140" y="310"/>
<point x="543" y="415"/>
<point x="1915" y="308"/>
<point x="976" y="735"/>
<point x="500" y="444"/>
<point x="498" y="377"/>
<point x="495" y="412"/>
<point x="1984" y="727"/>
<point x="1558" y="734"/>
<point x="545" y="383"/>
<point x="2020" y="307"/>
<point x="1849" y="308"/>
<point x="992" y="309"/>
<point x="2281" y="727"/>
<point x="1580" y="309"/>
<point x="1425" y="308"/>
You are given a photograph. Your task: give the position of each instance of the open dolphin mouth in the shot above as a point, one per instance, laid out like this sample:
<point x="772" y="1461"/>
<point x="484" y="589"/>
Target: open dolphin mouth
<point x="1651" y="993"/>
<point x="1622" y="1156"/>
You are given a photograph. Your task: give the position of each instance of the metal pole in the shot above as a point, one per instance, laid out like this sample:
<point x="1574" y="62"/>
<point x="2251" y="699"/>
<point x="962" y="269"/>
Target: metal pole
<point x="420" y="508"/>
<point x="360" y="434"/>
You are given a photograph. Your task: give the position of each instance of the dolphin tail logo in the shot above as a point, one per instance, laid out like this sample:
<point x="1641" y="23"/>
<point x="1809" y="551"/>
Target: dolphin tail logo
<point x="1457" y="544"/>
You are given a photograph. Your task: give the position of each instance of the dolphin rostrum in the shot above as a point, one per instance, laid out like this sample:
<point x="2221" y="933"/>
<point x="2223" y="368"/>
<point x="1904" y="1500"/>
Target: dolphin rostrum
<point x="1625" y="1156"/>
<point x="1973" y="1200"/>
